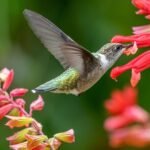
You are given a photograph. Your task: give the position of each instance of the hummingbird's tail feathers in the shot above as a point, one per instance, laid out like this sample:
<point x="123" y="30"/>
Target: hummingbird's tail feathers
<point x="48" y="86"/>
<point x="39" y="90"/>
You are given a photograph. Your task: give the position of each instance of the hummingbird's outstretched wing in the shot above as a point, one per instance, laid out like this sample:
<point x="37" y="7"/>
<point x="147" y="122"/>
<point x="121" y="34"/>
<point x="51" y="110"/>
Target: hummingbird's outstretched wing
<point x="66" y="50"/>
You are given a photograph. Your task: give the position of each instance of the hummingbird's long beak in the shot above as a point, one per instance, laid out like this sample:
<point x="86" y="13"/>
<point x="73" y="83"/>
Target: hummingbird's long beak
<point x="127" y="45"/>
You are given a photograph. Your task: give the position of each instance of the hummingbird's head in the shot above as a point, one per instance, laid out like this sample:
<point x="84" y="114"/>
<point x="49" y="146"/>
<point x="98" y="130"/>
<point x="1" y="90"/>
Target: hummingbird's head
<point x="113" y="51"/>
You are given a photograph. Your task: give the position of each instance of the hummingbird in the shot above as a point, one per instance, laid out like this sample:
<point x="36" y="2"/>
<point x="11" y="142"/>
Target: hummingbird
<point x="82" y="68"/>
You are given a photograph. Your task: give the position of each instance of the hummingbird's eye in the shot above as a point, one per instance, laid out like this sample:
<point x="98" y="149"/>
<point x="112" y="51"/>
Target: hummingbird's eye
<point x="118" y="47"/>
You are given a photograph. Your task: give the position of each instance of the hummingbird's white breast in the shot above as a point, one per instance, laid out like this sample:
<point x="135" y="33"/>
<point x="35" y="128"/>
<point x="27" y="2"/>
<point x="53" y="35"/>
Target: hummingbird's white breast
<point x="104" y="62"/>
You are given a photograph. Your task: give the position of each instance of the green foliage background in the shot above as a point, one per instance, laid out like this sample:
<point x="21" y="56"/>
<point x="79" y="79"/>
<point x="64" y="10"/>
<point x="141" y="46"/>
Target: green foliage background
<point x="90" y="23"/>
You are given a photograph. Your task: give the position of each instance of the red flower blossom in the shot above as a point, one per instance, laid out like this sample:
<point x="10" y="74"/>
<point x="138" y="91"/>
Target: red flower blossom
<point x="120" y="100"/>
<point x="142" y="40"/>
<point x="137" y="65"/>
<point x="136" y="135"/>
<point x="143" y="6"/>
<point x="130" y="115"/>
<point x="122" y="105"/>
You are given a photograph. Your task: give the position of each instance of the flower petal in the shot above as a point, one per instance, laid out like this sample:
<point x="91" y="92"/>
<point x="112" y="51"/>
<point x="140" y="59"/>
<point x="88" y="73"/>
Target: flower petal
<point x="120" y="100"/>
<point x="67" y="136"/>
<point x="8" y="80"/>
<point x="16" y="121"/>
<point x="18" y="92"/>
<point x="143" y="5"/>
<point x="20" y="146"/>
<point x="54" y="143"/>
<point x="132" y="50"/>
<point x="137" y="65"/>
<point x="19" y="136"/>
<point x="37" y="104"/>
<point x="135" y="78"/>
<point x="35" y="140"/>
<point x="4" y="110"/>
<point x="141" y="29"/>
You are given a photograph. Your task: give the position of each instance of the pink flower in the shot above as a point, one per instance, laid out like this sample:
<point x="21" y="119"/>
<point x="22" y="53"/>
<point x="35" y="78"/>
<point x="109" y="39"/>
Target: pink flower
<point x="141" y="29"/>
<point x="137" y="65"/>
<point x="22" y="145"/>
<point x="13" y="108"/>
<point x="37" y="104"/>
<point x="54" y="143"/>
<point x="21" y="102"/>
<point x="6" y="76"/>
<point x="4" y="100"/>
<point x="36" y="142"/>
<point x="5" y="109"/>
<point x="18" y="92"/>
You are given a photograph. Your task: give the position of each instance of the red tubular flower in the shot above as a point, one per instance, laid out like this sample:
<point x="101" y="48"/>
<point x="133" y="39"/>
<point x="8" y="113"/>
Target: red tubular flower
<point x="115" y="122"/>
<point x="137" y="136"/>
<point x="130" y="115"/>
<point x="137" y="65"/>
<point x="142" y="40"/>
<point x="124" y="110"/>
<point x="142" y="33"/>
<point x="120" y="100"/>
<point x="143" y="6"/>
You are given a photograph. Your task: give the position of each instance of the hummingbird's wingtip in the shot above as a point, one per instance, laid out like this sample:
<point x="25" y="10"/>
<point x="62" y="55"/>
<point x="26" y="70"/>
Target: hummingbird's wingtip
<point x="28" y="13"/>
<point x="25" y="11"/>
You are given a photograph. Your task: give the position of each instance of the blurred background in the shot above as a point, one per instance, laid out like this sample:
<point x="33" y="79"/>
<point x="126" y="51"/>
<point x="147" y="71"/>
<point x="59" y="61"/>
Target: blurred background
<point x="91" y="24"/>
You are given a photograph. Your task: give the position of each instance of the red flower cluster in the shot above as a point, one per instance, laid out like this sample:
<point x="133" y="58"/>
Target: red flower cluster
<point x="124" y="112"/>
<point x="142" y="38"/>
<point x="143" y="6"/>
<point x="12" y="106"/>
<point x="137" y="65"/>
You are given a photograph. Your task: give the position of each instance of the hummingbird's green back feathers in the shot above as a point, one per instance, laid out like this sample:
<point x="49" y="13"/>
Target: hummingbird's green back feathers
<point x="65" y="83"/>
